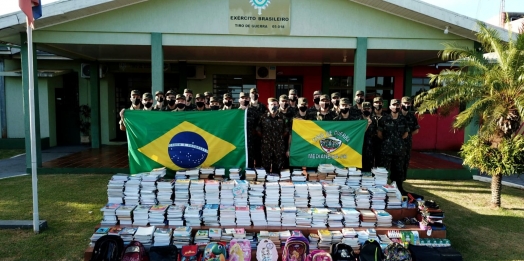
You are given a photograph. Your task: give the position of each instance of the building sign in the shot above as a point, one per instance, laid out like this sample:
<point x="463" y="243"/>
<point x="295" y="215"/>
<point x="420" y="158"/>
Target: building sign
<point x="259" y="17"/>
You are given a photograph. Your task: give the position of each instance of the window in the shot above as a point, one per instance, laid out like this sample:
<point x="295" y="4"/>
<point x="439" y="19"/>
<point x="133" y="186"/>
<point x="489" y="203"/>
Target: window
<point x="233" y="84"/>
<point x="286" y="83"/>
<point x="380" y="86"/>
<point x="341" y="84"/>
<point x="419" y="85"/>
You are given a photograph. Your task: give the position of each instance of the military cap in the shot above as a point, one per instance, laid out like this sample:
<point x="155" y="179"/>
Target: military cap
<point x="335" y="94"/>
<point x="360" y="92"/>
<point x="208" y="94"/>
<point x="159" y="92"/>
<point x="344" y="101"/>
<point x="199" y="95"/>
<point x="317" y="93"/>
<point x="302" y="100"/>
<point x="406" y="99"/>
<point x="292" y="91"/>
<point x="271" y="99"/>
<point x="324" y="97"/>
<point x="170" y="92"/>
<point x="253" y="90"/>
<point x="147" y="95"/>
<point x="243" y="94"/>
<point x="366" y="105"/>
<point x="188" y="91"/>
<point x="283" y="97"/>
<point x="135" y="92"/>
<point x="394" y="101"/>
<point x="213" y="99"/>
<point x="227" y="95"/>
<point x="180" y="96"/>
<point x="377" y="99"/>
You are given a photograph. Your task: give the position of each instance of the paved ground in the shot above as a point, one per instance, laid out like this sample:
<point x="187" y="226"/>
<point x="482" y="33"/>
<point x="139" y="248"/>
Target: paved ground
<point x="15" y="166"/>
<point x="513" y="180"/>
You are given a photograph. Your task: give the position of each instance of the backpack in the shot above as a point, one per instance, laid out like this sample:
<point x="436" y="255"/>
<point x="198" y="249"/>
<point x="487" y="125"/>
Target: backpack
<point x="108" y="248"/>
<point x="163" y="253"/>
<point x="239" y="250"/>
<point x="135" y="251"/>
<point x="397" y="252"/>
<point x="189" y="253"/>
<point x="295" y="249"/>
<point x="342" y="252"/>
<point x="215" y="251"/>
<point x="266" y="251"/>
<point x="371" y="251"/>
<point x="319" y="255"/>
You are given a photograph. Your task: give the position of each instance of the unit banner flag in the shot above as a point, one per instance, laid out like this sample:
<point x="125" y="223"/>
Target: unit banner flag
<point x="185" y="140"/>
<point x="327" y="142"/>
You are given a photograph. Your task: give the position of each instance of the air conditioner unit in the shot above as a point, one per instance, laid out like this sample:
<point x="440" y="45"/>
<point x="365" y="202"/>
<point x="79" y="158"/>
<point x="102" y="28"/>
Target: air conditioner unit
<point x="195" y="72"/>
<point x="266" y="72"/>
<point x="85" y="70"/>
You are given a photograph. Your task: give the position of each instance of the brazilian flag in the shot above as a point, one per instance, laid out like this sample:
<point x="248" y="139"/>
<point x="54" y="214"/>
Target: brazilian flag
<point x="183" y="140"/>
<point x="327" y="142"/>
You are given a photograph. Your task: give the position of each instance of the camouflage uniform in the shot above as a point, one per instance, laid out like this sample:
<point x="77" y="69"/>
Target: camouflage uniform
<point x="330" y="116"/>
<point x="157" y="107"/>
<point x="313" y="108"/>
<point x="253" y="142"/>
<point x="367" y="147"/>
<point x="190" y="106"/>
<point x="377" y="143"/>
<point x="273" y="130"/>
<point x="413" y="125"/>
<point x="289" y="113"/>
<point x="180" y="97"/>
<point x="393" y="146"/>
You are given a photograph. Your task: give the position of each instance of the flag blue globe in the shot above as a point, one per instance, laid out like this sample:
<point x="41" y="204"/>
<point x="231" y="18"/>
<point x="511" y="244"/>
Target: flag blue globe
<point x="187" y="149"/>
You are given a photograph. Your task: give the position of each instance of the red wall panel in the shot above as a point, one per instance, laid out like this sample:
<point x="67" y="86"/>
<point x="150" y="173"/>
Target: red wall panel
<point x="266" y="89"/>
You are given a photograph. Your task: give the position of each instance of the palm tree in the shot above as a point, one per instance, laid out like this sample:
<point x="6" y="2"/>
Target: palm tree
<point x="492" y="85"/>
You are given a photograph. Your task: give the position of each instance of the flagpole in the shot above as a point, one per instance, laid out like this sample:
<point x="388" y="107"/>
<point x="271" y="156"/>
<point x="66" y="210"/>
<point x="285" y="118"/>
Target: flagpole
<point x="31" y="74"/>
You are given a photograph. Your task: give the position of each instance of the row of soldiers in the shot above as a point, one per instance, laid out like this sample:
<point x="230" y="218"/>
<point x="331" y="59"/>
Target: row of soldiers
<point x="387" y="141"/>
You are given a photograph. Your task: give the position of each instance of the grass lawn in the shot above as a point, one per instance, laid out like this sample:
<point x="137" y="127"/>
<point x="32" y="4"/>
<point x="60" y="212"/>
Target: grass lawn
<point x="4" y="154"/>
<point x="478" y="232"/>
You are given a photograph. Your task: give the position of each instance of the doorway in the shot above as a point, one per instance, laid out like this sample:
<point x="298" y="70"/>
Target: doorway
<point x="67" y="115"/>
<point x="285" y="83"/>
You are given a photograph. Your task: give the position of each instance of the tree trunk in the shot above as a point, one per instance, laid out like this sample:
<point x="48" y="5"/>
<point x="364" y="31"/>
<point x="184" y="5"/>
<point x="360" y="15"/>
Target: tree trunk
<point x="496" y="185"/>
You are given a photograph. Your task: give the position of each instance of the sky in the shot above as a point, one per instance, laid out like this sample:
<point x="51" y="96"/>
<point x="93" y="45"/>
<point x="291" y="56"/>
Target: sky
<point x="484" y="10"/>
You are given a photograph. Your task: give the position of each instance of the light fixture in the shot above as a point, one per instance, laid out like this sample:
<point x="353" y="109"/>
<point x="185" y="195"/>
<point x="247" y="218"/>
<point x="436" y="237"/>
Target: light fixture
<point x="344" y="60"/>
<point x="446" y="31"/>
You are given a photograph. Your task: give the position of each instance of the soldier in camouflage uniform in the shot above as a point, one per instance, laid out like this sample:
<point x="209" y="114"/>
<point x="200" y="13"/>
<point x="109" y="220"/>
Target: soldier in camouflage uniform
<point x="335" y="102"/>
<point x="344" y="111"/>
<point x="253" y="141"/>
<point x="214" y="103"/>
<point x="160" y="104"/>
<point x="180" y="104"/>
<point x="200" y="102"/>
<point x="356" y="110"/>
<point x="325" y="114"/>
<point x="371" y="132"/>
<point x="170" y="100"/>
<point x="188" y="94"/>
<point x="303" y="112"/>
<point x="316" y="101"/>
<point x="293" y="99"/>
<point x="393" y="130"/>
<point x="253" y="95"/>
<point x="228" y="101"/>
<point x="272" y="127"/>
<point x="147" y="101"/>
<point x="208" y="96"/>
<point x="288" y="113"/>
<point x="413" y="128"/>
<point x="135" y="105"/>
<point x="376" y="115"/>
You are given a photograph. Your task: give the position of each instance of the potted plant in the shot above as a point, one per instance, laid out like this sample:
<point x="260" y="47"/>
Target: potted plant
<point x="85" y="123"/>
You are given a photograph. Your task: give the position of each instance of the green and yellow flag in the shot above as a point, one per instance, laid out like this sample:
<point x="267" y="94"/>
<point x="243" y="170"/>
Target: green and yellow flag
<point x="183" y="140"/>
<point x="322" y="142"/>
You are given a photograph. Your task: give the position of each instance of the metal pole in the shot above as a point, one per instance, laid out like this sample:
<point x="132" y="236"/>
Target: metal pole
<point x="31" y="74"/>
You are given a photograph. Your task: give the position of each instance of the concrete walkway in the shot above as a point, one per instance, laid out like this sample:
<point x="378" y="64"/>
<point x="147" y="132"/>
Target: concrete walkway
<point x="15" y="166"/>
<point x="514" y="181"/>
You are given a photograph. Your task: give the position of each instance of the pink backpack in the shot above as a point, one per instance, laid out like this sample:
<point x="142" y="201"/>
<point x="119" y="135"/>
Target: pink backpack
<point x="319" y="255"/>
